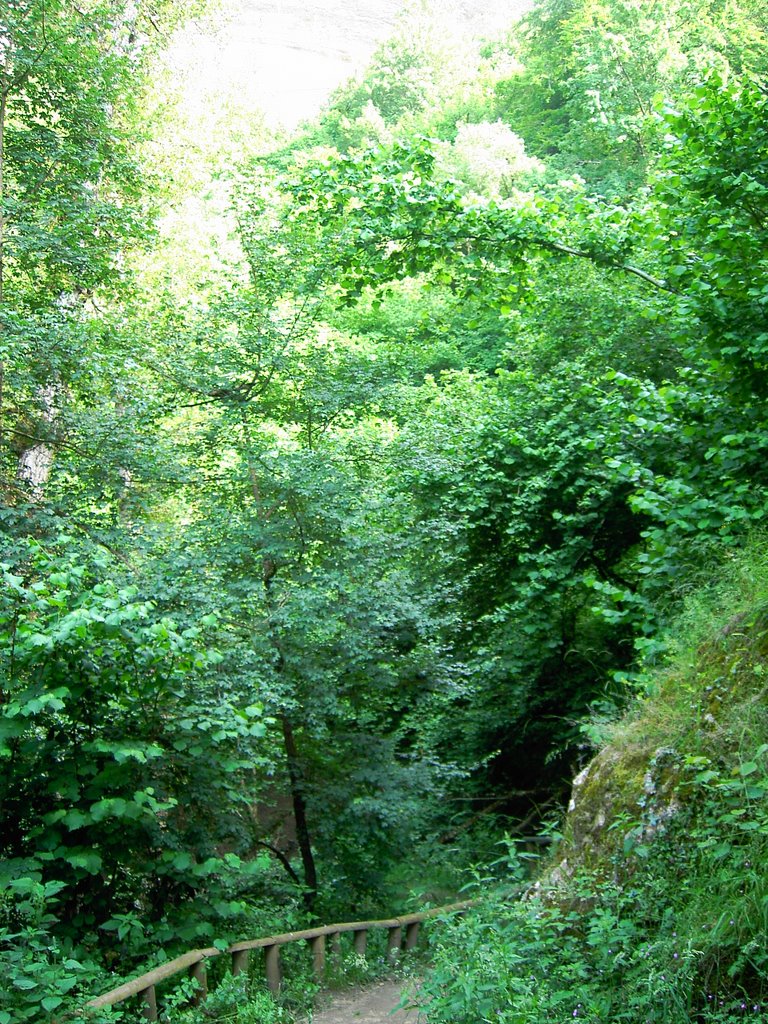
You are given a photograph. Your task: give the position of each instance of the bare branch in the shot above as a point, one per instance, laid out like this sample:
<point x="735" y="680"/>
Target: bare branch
<point x="282" y="858"/>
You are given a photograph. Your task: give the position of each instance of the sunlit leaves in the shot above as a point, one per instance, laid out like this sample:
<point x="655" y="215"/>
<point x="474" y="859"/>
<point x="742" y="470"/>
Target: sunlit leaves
<point x="111" y="726"/>
<point x="710" y="217"/>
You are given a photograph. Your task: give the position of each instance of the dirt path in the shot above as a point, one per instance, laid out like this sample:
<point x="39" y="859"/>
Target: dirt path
<point x="373" y="1004"/>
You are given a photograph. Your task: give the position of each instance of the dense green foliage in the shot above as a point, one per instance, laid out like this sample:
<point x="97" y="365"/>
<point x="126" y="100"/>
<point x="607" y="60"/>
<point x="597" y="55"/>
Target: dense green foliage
<point x="332" y="512"/>
<point x="658" y="914"/>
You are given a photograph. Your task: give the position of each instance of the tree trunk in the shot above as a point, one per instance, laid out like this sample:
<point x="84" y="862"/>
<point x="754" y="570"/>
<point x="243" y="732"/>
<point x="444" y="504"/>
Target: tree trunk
<point x="300" y="813"/>
<point x="268" y="573"/>
<point x="34" y="465"/>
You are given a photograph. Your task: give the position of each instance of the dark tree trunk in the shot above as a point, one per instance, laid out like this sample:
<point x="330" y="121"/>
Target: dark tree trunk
<point x="300" y="813"/>
<point x="295" y="774"/>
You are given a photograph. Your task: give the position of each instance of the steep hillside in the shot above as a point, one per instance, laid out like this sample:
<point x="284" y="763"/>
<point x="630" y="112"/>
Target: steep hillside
<point x="653" y="907"/>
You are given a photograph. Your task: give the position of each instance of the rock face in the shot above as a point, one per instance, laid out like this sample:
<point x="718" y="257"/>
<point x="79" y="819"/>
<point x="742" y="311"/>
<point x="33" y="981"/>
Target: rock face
<point x="635" y="785"/>
<point x="285" y="57"/>
<point x="623" y="790"/>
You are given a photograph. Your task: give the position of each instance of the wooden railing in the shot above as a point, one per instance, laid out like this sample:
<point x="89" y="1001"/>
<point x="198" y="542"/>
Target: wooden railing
<point x="400" y="931"/>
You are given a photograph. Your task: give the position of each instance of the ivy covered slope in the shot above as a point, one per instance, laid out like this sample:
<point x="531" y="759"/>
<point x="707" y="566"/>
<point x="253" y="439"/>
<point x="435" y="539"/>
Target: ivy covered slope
<point x="653" y="906"/>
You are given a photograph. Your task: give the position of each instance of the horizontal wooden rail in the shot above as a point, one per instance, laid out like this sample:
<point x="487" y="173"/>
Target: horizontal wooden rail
<point x="194" y="961"/>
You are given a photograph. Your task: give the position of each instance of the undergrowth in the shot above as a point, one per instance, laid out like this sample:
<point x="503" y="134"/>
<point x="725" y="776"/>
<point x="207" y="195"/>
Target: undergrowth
<point x="655" y="911"/>
<point x="244" y="999"/>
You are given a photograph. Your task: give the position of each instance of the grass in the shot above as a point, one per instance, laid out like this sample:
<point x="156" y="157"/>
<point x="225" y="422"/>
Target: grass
<point x="654" y="909"/>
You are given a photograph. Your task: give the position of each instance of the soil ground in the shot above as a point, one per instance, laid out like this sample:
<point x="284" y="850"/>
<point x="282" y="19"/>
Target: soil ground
<point x="373" y="1004"/>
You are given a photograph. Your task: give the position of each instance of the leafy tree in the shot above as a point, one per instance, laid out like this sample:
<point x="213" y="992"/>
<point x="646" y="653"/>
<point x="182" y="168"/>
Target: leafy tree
<point x="708" y="228"/>
<point x="395" y="218"/>
<point x="591" y="73"/>
<point x="71" y="204"/>
<point x="365" y="508"/>
<point x="123" y="759"/>
<point x="279" y="416"/>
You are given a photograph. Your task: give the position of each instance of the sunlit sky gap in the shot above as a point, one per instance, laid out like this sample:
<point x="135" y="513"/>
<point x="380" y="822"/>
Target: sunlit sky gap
<point x="285" y="57"/>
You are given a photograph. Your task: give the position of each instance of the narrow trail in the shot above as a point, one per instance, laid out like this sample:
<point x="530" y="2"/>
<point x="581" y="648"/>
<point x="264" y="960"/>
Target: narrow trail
<point x="373" y="1004"/>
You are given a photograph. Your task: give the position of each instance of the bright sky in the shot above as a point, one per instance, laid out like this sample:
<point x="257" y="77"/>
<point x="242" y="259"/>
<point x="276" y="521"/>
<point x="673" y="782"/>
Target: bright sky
<point x="285" y="57"/>
<point x="277" y="58"/>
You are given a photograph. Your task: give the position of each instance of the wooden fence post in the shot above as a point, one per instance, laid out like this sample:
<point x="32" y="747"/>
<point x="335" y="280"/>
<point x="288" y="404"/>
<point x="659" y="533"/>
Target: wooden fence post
<point x="394" y="937"/>
<point x="239" y="962"/>
<point x="149" y="1010"/>
<point x="361" y="941"/>
<point x="200" y="974"/>
<point x="272" y="964"/>
<point x="318" y="955"/>
<point x="411" y="934"/>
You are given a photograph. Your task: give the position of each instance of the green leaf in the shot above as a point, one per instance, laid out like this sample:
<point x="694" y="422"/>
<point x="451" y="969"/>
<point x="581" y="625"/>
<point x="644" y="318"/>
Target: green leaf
<point x="26" y="984"/>
<point x="89" y="860"/>
<point x="76" y="819"/>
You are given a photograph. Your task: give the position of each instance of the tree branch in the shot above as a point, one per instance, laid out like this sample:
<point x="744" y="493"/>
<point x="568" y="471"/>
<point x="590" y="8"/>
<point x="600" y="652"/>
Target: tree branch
<point x="568" y="250"/>
<point x="627" y="268"/>
<point x="282" y="858"/>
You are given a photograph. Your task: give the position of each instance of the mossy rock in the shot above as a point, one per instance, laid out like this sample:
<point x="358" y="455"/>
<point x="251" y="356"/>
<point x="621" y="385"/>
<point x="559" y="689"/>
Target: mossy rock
<point x="705" y="705"/>
<point x="620" y="790"/>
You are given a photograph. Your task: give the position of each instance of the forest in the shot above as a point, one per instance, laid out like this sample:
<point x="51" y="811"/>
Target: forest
<point x="362" y="486"/>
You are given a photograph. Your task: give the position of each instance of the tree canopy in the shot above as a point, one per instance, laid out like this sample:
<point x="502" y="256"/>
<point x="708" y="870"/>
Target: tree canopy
<point x="346" y="472"/>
